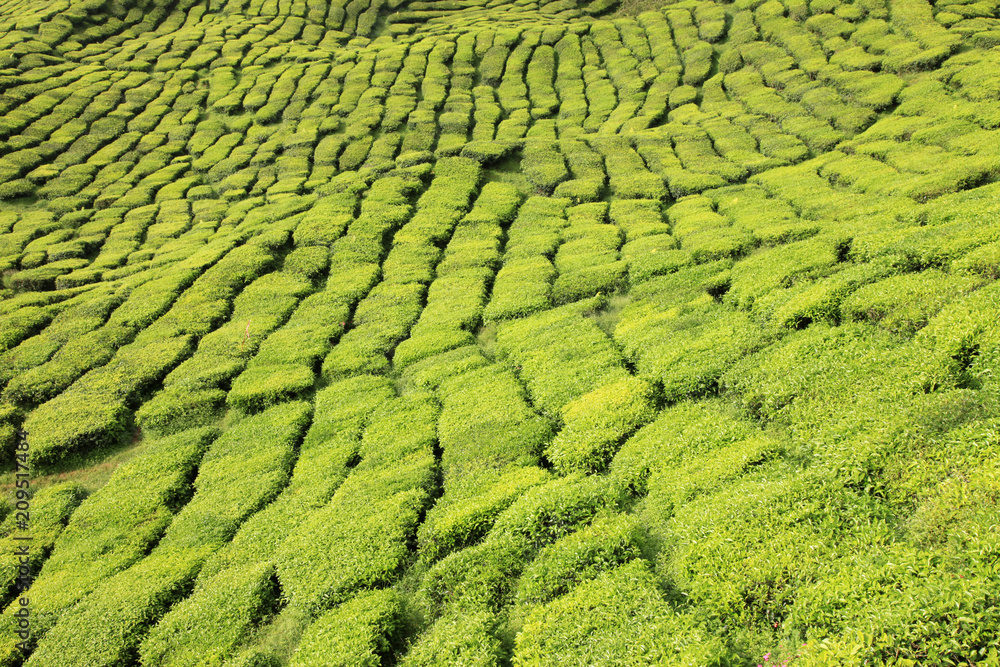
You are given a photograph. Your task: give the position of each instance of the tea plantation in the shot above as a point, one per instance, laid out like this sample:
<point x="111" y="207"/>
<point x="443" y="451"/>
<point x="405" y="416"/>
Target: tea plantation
<point x="501" y="332"/>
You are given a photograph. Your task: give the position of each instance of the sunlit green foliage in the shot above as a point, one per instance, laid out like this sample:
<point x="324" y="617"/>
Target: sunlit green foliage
<point x="501" y="332"/>
<point x="358" y="633"/>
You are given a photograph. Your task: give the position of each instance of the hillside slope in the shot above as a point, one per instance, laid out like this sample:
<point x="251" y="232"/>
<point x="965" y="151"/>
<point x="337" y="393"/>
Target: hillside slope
<point x="475" y="332"/>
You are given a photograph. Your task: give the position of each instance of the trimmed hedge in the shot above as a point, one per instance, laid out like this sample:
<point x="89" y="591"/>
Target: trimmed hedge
<point x="242" y="471"/>
<point x="465" y="638"/>
<point x="131" y="599"/>
<point x="471" y="506"/>
<point x="381" y="321"/>
<point x="386" y="494"/>
<point x="905" y="303"/>
<point x="522" y="287"/>
<point x="597" y="422"/>
<point x="486" y="423"/>
<point x="116" y="526"/>
<point x="579" y="557"/>
<point x="560" y="354"/>
<point x="585" y="626"/>
<point x="358" y="633"/>
<point x="209" y="624"/>
<point x="51" y="509"/>
<point x="94" y="412"/>
<point x="484" y="575"/>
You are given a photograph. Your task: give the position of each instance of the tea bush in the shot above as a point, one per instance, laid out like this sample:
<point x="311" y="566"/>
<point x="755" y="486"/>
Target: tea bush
<point x="205" y="623"/>
<point x="560" y="354"/>
<point x="358" y="632"/>
<point x="558" y="632"/>
<point x="596" y="422"/>
<point x="579" y="557"/>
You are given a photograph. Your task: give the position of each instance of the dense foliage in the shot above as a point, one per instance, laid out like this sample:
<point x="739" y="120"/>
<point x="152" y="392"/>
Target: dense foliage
<point x="503" y="332"/>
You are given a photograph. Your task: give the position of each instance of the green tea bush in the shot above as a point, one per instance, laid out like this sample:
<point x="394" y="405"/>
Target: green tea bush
<point x="326" y="221"/>
<point x="769" y="390"/>
<point x="365" y="531"/>
<point x="708" y="472"/>
<point x="652" y="256"/>
<point x="522" y="287"/>
<point x="627" y="174"/>
<point x="983" y="261"/>
<point x="697" y="154"/>
<point x="429" y="373"/>
<point x="475" y="243"/>
<point x="903" y="304"/>
<point x="488" y="151"/>
<point x="51" y="508"/>
<point x="484" y="575"/>
<point x="215" y="619"/>
<point x="430" y="341"/>
<point x="585" y="282"/>
<point x="76" y="320"/>
<point x="386" y="494"/>
<point x="557" y="633"/>
<point x="381" y="321"/>
<point x="454" y="524"/>
<point x="543" y="165"/>
<point x="328" y="452"/>
<point x="359" y="632"/>
<point x="117" y="525"/>
<point x="579" y="557"/>
<point x="595" y="423"/>
<point x="686" y="429"/>
<point x="411" y="263"/>
<point x="933" y="595"/>
<point x="820" y="302"/>
<point x="285" y="363"/>
<point x="180" y="408"/>
<point x="22" y="324"/>
<point x="486" y="422"/>
<point x="916" y="248"/>
<point x="132" y="598"/>
<point x="78" y="420"/>
<point x="769" y="219"/>
<point x="258" y="451"/>
<point x="465" y="638"/>
<point x="560" y="354"/>
<point x="638" y="218"/>
<point x="206" y="302"/>
<point x="587" y="169"/>
<point x="704" y="233"/>
<point x="545" y="513"/>
<point x="454" y="307"/>
<point x="771" y="269"/>
<point x="477" y="577"/>
<point x="221" y="188"/>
